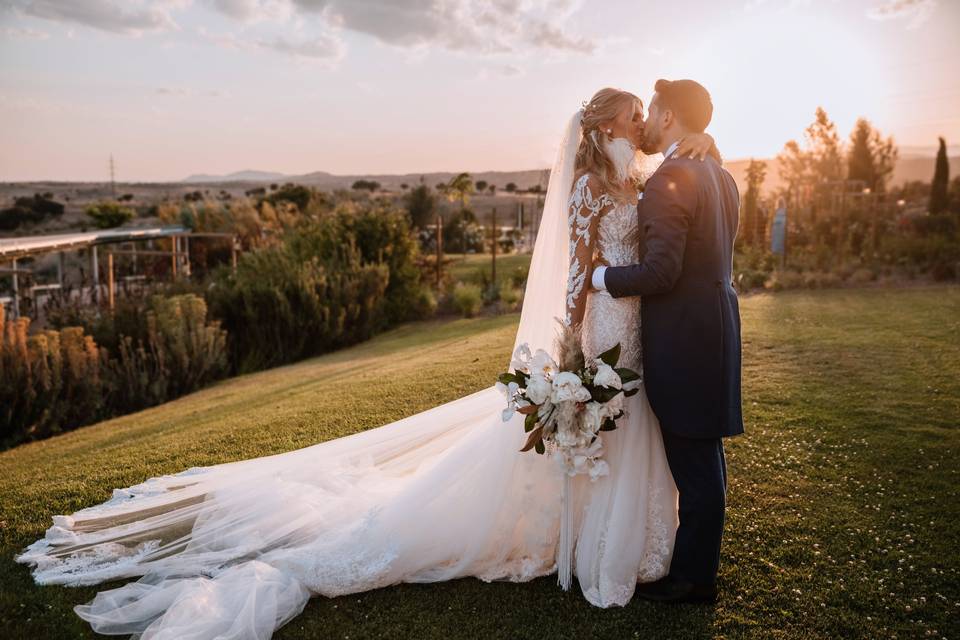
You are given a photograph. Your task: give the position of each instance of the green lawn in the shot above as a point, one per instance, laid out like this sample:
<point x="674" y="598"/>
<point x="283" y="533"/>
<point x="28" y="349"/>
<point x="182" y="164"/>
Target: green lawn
<point x="843" y="509"/>
<point x="468" y="268"/>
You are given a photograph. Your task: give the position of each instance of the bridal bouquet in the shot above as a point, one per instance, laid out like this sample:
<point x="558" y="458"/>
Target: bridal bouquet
<point x="567" y="404"/>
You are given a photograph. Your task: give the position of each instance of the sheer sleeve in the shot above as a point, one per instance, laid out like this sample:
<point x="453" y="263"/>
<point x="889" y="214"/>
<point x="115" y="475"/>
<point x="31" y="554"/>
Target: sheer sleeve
<point x="584" y="212"/>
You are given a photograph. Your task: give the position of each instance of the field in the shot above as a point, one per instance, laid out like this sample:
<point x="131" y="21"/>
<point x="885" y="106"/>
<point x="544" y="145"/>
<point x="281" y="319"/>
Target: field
<point x="843" y="509"/>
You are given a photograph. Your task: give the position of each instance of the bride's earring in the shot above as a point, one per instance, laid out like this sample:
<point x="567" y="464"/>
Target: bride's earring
<point x="609" y="131"/>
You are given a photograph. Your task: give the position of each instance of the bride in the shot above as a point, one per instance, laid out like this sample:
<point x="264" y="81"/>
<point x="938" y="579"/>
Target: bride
<point x="236" y="550"/>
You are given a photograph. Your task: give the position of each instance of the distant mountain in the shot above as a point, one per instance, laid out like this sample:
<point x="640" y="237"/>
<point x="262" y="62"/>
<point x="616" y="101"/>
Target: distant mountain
<point x="237" y="176"/>
<point x="915" y="163"/>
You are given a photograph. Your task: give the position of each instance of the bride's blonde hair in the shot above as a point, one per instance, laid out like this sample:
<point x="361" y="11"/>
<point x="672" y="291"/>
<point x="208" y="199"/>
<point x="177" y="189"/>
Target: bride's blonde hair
<point x="602" y="107"/>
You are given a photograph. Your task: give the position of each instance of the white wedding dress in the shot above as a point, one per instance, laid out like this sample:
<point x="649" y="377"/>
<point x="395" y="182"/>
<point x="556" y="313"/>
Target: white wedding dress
<point x="236" y="550"/>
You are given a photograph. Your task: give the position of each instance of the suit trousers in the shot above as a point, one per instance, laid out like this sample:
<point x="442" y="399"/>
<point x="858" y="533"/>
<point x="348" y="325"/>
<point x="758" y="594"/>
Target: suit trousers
<point x="700" y="473"/>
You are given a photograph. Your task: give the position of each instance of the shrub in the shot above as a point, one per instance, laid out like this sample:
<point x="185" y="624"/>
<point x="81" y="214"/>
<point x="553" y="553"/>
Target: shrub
<point x="107" y="215"/>
<point x="862" y="276"/>
<point x="333" y="281"/>
<point x="57" y="380"/>
<point x="467" y="299"/>
<point x="509" y="297"/>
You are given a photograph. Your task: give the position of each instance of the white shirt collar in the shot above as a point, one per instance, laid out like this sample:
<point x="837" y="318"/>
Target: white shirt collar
<point x="671" y="149"/>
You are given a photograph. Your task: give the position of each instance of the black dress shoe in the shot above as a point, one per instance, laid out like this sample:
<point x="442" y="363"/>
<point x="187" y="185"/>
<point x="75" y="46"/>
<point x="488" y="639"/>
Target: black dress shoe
<point x="673" y="589"/>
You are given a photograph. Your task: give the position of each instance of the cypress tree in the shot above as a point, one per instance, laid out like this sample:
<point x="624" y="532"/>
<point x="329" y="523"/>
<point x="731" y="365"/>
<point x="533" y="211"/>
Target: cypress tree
<point x="941" y="179"/>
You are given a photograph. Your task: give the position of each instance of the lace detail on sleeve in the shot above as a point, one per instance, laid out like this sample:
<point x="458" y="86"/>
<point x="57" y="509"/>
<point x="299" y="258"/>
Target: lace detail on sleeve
<point x="584" y="215"/>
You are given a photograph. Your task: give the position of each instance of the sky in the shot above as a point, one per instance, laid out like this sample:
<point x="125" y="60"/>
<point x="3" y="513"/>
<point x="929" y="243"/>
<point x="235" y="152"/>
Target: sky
<point x="176" y="87"/>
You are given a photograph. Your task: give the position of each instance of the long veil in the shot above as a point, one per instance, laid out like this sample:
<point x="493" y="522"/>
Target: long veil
<point x="236" y="550"/>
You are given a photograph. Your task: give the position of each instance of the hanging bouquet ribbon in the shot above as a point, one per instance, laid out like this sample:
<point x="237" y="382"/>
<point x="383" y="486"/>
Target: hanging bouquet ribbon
<point x="567" y="404"/>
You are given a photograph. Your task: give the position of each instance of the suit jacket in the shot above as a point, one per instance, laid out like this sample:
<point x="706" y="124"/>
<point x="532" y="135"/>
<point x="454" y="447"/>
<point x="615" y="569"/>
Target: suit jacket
<point x="690" y="331"/>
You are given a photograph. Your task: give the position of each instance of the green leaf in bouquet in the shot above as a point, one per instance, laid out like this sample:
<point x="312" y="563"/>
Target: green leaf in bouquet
<point x="608" y="425"/>
<point x="611" y="356"/>
<point x="507" y="378"/>
<point x="535" y="437"/>
<point x="630" y="392"/>
<point x="522" y="377"/>
<point x="530" y="422"/>
<point x="539" y="448"/>
<point x="603" y="394"/>
<point x="627" y="375"/>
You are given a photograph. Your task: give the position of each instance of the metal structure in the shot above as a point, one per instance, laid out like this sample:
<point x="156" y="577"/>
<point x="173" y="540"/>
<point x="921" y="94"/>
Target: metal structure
<point x="14" y="249"/>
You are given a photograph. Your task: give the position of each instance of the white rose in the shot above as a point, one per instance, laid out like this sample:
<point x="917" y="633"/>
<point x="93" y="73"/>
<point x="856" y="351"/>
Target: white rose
<point x="538" y="388"/>
<point x="543" y="364"/>
<point x="607" y="377"/>
<point x="591" y="418"/>
<point x="521" y="358"/>
<point x="568" y="387"/>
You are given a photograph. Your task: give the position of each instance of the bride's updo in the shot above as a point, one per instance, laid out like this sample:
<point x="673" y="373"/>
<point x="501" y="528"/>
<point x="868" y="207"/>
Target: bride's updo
<point x="603" y="107"/>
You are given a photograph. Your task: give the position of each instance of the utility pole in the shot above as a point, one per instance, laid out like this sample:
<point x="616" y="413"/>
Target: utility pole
<point x="113" y="184"/>
<point x="493" y="234"/>
<point x="439" y="247"/>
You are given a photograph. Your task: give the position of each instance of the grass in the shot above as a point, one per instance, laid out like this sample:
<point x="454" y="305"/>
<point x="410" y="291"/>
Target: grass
<point x="843" y="516"/>
<point x="470" y="267"/>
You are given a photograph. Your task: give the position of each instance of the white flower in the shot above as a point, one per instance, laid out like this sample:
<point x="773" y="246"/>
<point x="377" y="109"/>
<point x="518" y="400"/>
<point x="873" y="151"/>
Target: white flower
<point x="568" y="386"/>
<point x="591" y="418"/>
<point x="543" y="364"/>
<point x="607" y="377"/>
<point x="508" y="390"/>
<point x="599" y="468"/>
<point x="538" y="388"/>
<point x="521" y="358"/>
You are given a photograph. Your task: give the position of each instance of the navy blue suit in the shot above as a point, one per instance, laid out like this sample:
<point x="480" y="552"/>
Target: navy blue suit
<point x="690" y="334"/>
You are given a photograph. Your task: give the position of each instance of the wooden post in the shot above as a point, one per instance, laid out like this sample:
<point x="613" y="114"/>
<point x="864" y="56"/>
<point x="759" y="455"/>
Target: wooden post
<point x="110" y="289"/>
<point x="61" y="264"/>
<point x="16" y="292"/>
<point x="186" y="256"/>
<point x="439" y="247"/>
<point x="174" y="240"/>
<point x="233" y="252"/>
<point x="493" y="249"/>
<point x="96" y="275"/>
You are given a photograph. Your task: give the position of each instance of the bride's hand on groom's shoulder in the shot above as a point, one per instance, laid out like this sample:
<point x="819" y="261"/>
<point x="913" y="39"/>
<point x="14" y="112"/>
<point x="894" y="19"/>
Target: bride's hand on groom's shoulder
<point x="698" y="145"/>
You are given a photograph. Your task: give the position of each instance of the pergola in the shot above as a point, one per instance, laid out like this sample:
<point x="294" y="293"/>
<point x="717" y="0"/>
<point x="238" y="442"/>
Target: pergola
<point x="14" y="249"/>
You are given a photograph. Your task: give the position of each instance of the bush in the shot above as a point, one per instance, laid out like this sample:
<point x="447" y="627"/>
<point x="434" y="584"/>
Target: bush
<point x="425" y="303"/>
<point x="107" y="215"/>
<point x="57" y="380"/>
<point x="509" y="298"/>
<point x="467" y="299"/>
<point x="862" y="276"/>
<point x="332" y="282"/>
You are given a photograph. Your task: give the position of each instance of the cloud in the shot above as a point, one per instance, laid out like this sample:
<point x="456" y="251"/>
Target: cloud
<point x="113" y="16"/>
<point x="24" y="32"/>
<point x="324" y="47"/>
<point x="456" y="25"/>
<point x="187" y="92"/>
<point x="506" y="70"/>
<point x="916" y="12"/>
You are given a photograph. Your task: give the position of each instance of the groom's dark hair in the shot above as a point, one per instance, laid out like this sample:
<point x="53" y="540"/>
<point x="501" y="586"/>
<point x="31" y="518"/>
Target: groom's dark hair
<point x="689" y="101"/>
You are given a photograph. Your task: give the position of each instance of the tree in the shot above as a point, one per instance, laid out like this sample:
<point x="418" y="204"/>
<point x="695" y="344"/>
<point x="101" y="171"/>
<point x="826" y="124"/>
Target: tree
<point x="421" y="205"/>
<point x="481" y="186"/>
<point x="941" y="178"/>
<point x="871" y="158"/>
<point x="459" y="188"/>
<point x="366" y="185"/>
<point x="404" y="186"/>
<point x="492" y="189"/>
<point x="823" y="142"/>
<point x="756" y="173"/>
<point x="511" y="187"/>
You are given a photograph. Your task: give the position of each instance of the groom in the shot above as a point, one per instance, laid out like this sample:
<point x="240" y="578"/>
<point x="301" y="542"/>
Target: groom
<point x="690" y="330"/>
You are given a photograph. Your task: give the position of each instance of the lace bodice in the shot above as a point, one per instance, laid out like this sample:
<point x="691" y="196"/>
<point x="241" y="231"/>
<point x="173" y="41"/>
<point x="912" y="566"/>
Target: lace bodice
<point x="601" y="229"/>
